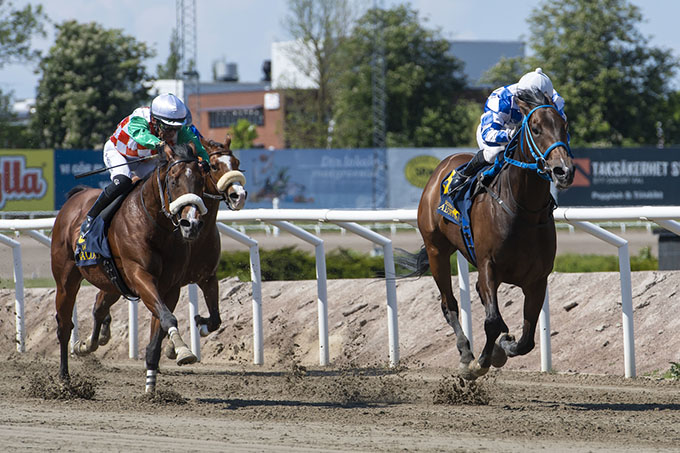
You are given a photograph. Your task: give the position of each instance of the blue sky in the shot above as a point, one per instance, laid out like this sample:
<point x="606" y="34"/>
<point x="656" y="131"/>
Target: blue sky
<point x="242" y="31"/>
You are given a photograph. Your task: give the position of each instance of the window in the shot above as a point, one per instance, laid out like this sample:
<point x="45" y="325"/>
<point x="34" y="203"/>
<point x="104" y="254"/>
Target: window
<point x="230" y="116"/>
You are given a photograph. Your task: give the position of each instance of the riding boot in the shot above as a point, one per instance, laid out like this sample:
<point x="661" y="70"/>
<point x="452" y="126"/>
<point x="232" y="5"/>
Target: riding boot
<point x="472" y="167"/>
<point x="121" y="184"/>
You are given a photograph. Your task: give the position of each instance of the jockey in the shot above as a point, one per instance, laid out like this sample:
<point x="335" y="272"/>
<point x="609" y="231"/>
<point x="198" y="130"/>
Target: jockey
<point x="135" y="137"/>
<point x="501" y="119"/>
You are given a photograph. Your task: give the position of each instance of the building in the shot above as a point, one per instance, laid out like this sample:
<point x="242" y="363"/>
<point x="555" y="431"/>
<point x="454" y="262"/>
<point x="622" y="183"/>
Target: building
<point x="217" y="106"/>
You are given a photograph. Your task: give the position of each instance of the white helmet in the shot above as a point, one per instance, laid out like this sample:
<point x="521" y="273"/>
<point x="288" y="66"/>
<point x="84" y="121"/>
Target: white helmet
<point x="536" y="80"/>
<point x="169" y="110"/>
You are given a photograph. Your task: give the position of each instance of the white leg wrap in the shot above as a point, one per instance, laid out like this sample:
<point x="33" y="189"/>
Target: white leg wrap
<point x="172" y="330"/>
<point x="151" y="380"/>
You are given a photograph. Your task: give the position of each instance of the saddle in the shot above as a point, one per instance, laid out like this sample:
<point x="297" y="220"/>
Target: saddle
<point x="456" y="206"/>
<point x="94" y="249"/>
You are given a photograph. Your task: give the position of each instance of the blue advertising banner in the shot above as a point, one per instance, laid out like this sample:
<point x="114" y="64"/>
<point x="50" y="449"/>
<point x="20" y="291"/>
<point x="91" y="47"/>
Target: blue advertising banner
<point x="624" y="177"/>
<point x="70" y="162"/>
<point x="409" y="169"/>
<point x="314" y="178"/>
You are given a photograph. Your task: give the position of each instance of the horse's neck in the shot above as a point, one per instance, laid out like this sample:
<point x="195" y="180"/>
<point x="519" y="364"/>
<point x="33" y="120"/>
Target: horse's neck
<point x="530" y="192"/>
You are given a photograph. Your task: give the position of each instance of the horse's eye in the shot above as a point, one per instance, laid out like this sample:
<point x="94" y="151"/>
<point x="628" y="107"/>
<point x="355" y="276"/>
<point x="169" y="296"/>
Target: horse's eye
<point x="536" y="130"/>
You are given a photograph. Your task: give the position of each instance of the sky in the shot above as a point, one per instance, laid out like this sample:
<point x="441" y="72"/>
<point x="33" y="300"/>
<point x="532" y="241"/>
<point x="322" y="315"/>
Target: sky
<point x="242" y="31"/>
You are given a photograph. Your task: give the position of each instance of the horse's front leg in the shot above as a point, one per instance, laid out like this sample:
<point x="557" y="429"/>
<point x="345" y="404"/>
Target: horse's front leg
<point x="534" y="295"/>
<point x="440" y="266"/>
<point x="101" y="325"/>
<point x="492" y="354"/>
<point x="210" y="289"/>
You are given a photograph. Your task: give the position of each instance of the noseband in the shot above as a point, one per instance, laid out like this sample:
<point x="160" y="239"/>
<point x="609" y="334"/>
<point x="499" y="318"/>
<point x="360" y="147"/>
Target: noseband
<point x="539" y="165"/>
<point x="173" y="206"/>
<point x="234" y="176"/>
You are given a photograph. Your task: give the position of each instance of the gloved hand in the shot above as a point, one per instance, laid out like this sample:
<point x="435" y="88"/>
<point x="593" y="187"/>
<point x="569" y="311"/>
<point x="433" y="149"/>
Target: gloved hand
<point x="160" y="145"/>
<point x="205" y="166"/>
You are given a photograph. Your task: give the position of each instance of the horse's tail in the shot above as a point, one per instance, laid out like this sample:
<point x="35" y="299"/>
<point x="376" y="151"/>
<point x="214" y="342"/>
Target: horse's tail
<point x="416" y="263"/>
<point x="75" y="190"/>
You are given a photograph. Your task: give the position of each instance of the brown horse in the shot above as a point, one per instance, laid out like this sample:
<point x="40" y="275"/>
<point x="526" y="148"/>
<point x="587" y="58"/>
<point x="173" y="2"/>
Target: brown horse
<point x="513" y="229"/>
<point x="150" y="238"/>
<point x="224" y="182"/>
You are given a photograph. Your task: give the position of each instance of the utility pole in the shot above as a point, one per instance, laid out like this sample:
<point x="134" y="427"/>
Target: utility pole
<point x="186" y="31"/>
<point x="378" y="111"/>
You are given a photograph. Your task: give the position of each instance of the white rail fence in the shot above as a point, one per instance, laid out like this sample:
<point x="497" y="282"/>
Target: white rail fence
<point x="349" y="220"/>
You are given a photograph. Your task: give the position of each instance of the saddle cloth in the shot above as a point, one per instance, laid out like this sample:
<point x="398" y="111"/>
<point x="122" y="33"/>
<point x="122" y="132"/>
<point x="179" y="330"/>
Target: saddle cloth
<point x="94" y="248"/>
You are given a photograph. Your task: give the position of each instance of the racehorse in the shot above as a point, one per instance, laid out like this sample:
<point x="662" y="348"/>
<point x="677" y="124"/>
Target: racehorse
<point x="150" y="239"/>
<point x="224" y="182"/>
<point x="513" y="229"/>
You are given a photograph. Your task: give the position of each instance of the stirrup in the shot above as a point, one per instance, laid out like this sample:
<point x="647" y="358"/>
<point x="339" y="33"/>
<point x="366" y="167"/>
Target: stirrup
<point x="458" y="181"/>
<point x="85" y="227"/>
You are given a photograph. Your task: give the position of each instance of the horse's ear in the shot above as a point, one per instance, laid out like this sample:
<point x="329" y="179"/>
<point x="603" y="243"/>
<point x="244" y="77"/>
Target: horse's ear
<point x="523" y="106"/>
<point x="227" y="142"/>
<point x="192" y="146"/>
<point x="168" y="152"/>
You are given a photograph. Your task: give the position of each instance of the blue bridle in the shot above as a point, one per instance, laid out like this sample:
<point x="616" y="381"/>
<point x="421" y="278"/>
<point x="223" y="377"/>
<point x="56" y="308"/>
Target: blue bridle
<point x="540" y="165"/>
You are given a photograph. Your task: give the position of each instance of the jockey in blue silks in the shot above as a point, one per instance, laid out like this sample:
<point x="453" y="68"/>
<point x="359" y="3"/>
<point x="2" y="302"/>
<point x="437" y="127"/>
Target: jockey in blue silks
<point x="501" y="119"/>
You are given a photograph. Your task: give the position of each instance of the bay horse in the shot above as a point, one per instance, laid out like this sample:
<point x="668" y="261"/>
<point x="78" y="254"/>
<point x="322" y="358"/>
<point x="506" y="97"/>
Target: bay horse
<point x="513" y="228"/>
<point x="224" y="182"/>
<point x="150" y="239"/>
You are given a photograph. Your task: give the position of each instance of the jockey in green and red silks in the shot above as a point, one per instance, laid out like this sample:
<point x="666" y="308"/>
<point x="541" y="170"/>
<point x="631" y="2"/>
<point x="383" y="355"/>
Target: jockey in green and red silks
<point x="139" y="135"/>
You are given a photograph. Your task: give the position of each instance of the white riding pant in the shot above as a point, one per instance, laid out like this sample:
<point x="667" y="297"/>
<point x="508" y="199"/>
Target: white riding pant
<point x="113" y="157"/>
<point x="490" y="151"/>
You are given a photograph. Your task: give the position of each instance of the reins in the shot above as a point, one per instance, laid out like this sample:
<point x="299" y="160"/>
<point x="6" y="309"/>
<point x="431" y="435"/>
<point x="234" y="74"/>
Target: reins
<point x="161" y="194"/>
<point x="539" y="165"/>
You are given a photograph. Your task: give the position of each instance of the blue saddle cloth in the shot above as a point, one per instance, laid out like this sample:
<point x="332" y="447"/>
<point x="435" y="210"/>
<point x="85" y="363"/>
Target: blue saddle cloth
<point x="456" y="206"/>
<point x="95" y="246"/>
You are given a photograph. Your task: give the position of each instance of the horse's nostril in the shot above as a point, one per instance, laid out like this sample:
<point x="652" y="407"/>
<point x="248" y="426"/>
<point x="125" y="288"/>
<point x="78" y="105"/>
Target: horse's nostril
<point x="184" y="223"/>
<point x="559" y="171"/>
<point x="233" y="196"/>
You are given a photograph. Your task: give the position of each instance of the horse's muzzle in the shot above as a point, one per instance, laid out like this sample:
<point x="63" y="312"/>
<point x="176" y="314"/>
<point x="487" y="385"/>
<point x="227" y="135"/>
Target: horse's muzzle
<point x="190" y="228"/>
<point x="563" y="176"/>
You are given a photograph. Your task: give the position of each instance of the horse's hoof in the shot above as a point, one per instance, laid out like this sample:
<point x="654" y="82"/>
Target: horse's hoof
<point x="465" y="372"/>
<point x="80" y="348"/>
<point x="186" y="357"/>
<point x="498" y="356"/>
<point x="104" y="340"/>
<point x="477" y="369"/>
<point x="170" y="352"/>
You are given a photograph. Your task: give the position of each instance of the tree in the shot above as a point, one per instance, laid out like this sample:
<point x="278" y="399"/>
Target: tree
<point x="616" y="86"/>
<point x="423" y="83"/>
<point x="17" y="29"/>
<point x="91" y="79"/>
<point x="318" y="28"/>
<point x="243" y="134"/>
<point x="170" y="70"/>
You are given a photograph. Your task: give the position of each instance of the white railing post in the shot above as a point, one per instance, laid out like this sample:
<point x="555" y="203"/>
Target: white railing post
<point x="321" y="284"/>
<point x="464" y="289"/>
<point x="391" y="288"/>
<point x="256" y="280"/>
<point x="544" y="329"/>
<point x="193" y="328"/>
<point x="133" y="329"/>
<point x="19" y="322"/>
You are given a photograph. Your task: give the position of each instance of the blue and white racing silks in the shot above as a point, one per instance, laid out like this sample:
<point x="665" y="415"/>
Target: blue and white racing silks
<point x="502" y="116"/>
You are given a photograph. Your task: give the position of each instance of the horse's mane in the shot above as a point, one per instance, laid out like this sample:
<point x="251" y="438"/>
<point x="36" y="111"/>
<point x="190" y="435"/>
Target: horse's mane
<point x="534" y="97"/>
<point x="75" y="190"/>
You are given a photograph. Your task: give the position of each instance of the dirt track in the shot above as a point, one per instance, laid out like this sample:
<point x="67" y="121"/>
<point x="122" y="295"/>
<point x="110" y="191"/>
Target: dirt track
<point x="225" y="403"/>
<point x="227" y="408"/>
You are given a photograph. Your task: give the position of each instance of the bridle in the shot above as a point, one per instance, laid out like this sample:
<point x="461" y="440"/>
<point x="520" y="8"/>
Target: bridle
<point x="236" y="175"/>
<point x="539" y="165"/>
<point x="173" y="208"/>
